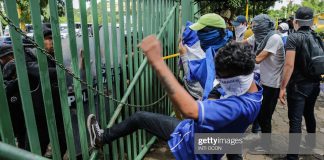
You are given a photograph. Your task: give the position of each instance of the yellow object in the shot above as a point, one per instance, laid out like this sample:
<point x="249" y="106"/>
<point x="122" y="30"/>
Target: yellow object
<point x="171" y="56"/>
<point x="21" y="24"/>
<point x="247" y="11"/>
<point x="319" y="22"/>
<point x="248" y="33"/>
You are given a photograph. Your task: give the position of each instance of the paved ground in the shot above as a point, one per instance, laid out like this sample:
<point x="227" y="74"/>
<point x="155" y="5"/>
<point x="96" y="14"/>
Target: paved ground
<point x="160" y="150"/>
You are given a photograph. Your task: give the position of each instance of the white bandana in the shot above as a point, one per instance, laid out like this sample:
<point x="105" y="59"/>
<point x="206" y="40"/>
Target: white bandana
<point x="236" y="86"/>
<point x="239" y="32"/>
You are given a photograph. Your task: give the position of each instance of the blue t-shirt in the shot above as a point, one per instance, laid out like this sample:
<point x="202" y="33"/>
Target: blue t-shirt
<point x="230" y="115"/>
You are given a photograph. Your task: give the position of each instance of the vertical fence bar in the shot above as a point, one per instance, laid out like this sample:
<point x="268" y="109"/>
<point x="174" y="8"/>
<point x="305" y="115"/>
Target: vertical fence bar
<point x="23" y="81"/>
<point x="86" y="54"/>
<point x="136" y="58"/>
<point x="123" y="65"/>
<point x="44" y="78"/>
<point x="122" y="71"/>
<point x="6" y="130"/>
<point x="77" y="84"/>
<point x="108" y="69"/>
<point x="98" y="68"/>
<point x="141" y="56"/>
<point x="61" y="77"/>
<point x="130" y="68"/>
<point x="146" y="33"/>
<point x="116" y="64"/>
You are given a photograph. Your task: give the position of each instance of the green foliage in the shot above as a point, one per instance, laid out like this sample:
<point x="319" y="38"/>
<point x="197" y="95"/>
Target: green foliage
<point x="25" y="9"/>
<point x="237" y="7"/>
<point x="284" y="12"/>
<point x="316" y="5"/>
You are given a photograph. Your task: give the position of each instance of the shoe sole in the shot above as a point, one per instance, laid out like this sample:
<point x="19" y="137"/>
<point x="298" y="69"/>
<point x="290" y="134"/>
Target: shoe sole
<point x="89" y="129"/>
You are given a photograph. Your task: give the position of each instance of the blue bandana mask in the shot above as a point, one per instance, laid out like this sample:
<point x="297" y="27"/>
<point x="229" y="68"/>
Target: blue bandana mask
<point x="209" y="39"/>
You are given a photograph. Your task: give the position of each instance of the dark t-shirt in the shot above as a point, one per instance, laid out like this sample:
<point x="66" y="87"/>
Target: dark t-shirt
<point x="294" y="42"/>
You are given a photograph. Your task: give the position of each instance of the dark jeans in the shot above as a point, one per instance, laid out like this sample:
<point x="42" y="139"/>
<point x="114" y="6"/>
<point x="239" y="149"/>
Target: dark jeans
<point x="269" y="102"/>
<point x="255" y="126"/>
<point x="159" y="125"/>
<point x="301" y="98"/>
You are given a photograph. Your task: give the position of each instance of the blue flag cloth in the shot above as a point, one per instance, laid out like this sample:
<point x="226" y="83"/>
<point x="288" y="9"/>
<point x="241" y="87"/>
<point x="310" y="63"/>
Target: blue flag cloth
<point x="189" y="37"/>
<point x="203" y="69"/>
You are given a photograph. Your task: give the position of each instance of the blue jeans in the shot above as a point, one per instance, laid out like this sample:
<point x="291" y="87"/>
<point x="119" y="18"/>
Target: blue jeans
<point x="301" y="98"/>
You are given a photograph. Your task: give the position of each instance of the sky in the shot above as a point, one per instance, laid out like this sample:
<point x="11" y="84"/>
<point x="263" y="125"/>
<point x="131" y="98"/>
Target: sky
<point x="278" y="5"/>
<point x="76" y="4"/>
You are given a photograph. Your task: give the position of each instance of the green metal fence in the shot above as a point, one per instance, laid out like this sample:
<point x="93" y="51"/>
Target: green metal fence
<point x="127" y="85"/>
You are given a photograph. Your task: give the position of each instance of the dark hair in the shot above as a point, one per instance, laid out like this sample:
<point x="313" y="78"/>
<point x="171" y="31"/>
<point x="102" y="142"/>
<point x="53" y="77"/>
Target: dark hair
<point x="234" y="59"/>
<point x="209" y="28"/>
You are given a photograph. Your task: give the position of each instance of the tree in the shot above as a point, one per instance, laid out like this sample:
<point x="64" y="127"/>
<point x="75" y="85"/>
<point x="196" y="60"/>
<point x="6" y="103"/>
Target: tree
<point x="316" y="5"/>
<point x="23" y="6"/>
<point x="236" y="7"/>
<point x="284" y="12"/>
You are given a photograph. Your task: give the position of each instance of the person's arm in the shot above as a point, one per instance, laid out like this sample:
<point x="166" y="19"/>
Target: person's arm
<point x="262" y="56"/>
<point x="274" y="43"/>
<point x="287" y="72"/>
<point x="184" y="58"/>
<point x="181" y="99"/>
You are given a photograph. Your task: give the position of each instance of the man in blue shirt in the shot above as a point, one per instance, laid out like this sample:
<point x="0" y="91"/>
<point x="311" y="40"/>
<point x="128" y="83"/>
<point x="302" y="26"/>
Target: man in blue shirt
<point x="233" y="114"/>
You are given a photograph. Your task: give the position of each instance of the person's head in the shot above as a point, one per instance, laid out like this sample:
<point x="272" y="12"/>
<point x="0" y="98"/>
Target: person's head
<point x="239" y="20"/>
<point x="262" y="22"/>
<point x="261" y="26"/>
<point x="303" y="18"/>
<point x="210" y="29"/>
<point x="48" y="41"/>
<point x="283" y="27"/>
<point x="6" y="54"/>
<point x="234" y="64"/>
<point x="234" y="59"/>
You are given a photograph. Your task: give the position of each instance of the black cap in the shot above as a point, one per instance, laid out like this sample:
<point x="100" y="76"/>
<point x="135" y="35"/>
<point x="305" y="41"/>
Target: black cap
<point x="5" y="50"/>
<point x="304" y="16"/>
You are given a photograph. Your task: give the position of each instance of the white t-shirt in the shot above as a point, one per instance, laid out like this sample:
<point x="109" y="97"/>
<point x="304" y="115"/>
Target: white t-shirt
<point x="271" y="68"/>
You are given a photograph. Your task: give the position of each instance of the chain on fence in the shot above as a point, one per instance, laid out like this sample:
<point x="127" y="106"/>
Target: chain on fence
<point x="60" y="65"/>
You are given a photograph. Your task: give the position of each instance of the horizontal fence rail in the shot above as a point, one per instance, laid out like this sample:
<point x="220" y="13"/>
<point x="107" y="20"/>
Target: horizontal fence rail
<point x="94" y="67"/>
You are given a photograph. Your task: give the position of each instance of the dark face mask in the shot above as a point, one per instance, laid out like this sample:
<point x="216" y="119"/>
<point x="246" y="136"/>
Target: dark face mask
<point x="208" y="38"/>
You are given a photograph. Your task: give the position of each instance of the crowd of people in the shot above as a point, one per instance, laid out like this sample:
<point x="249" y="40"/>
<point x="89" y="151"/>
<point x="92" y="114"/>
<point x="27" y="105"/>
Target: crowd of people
<point x="230" y="82"/>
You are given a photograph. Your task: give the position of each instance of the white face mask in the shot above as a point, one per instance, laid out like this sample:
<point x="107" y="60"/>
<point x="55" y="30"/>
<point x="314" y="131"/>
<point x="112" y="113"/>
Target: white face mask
<point x="236" y="86"/>
<point x="239" y="32"/>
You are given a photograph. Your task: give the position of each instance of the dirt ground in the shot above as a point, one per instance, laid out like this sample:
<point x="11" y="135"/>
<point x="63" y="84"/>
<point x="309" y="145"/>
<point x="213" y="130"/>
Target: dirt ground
<point x="161" y="151"/>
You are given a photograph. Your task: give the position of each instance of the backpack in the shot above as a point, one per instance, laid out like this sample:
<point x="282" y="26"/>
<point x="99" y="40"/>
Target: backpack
<point x="313" y="50"/>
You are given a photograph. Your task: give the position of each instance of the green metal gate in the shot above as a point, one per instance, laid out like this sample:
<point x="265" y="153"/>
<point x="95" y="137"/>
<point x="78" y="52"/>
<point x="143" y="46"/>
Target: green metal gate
<point x="128" y="85"/>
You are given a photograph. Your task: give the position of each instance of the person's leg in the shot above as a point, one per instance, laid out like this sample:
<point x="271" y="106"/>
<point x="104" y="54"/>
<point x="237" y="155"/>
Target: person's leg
<point x="157" y="124"/>
<point x="270" y="96"/>
<point x="309" y="116"/>
<point x="234" y="157"/>
<point x="296" y="102"/>
<point x="255" y="126"/>
<point x="269" y="102"/>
